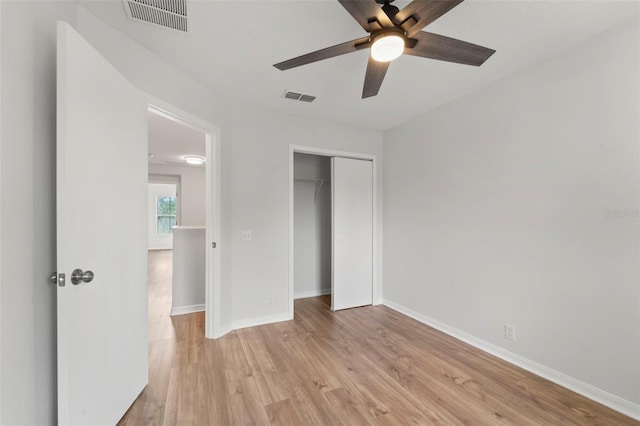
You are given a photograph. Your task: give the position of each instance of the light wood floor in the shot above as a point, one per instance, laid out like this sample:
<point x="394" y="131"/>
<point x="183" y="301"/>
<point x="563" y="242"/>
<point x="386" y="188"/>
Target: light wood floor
<point x="362" y="366"/>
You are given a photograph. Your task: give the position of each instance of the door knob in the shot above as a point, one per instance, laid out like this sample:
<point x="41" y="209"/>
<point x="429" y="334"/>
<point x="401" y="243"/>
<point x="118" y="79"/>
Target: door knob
<point x="54" y="278"/>
<point x="78" y="276"/>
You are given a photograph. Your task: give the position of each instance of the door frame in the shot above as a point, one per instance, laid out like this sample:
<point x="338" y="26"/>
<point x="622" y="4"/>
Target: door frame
<point x="377" y="227"/>
<point x="213" y="207"/>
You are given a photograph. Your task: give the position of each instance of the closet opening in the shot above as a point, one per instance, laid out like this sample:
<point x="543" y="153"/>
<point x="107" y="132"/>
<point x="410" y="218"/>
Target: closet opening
<point x="312" y="226"/>
<point x="332" y="228"/>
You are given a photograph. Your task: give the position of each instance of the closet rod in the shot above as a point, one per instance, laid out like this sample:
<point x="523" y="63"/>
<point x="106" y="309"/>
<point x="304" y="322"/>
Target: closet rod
<point x="318" y="183"/>
<point x="310" y="180"/>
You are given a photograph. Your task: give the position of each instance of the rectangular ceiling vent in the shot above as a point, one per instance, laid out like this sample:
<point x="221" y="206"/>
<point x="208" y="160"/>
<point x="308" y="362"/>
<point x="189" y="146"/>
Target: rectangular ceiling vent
<point x="163" y="13"/>
<point x="298" y="96"/>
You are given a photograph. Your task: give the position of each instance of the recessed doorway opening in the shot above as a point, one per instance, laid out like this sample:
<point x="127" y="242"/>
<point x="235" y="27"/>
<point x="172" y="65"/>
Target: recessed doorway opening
<point x="175" y="139"/>
<point x="332" y="227"/>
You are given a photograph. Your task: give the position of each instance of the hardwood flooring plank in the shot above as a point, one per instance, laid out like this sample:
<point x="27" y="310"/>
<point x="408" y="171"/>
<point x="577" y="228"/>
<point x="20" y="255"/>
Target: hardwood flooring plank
<point x="181" y="405"/>
<point x="234" y="361"/>
<point x="245" y="401"/>
<point x="350" y="409"/>
<point x="213" y="396"/>
<point x="273" y="387"/>
<point x="282" y="413"/>
<point x="160" y="358"/>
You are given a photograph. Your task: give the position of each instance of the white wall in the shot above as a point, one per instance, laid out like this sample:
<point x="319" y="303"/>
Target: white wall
<point x="27" y="210"/>
<point x="192" y="196"/>
<point x="496" y="211"/>
<point x="188" y="286"/>
<point x="260" y="201"/>
<point x="155" y="241"/>
<point x="312" y="226"/>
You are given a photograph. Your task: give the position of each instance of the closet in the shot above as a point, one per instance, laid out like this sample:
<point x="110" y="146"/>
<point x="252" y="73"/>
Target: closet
<point x="312" y="225"/>
<point x="333" y="229"/>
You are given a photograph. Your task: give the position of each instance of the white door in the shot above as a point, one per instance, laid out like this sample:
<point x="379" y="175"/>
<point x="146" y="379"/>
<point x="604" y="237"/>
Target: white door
<point x="352" y="232"/>
<point x="101" y="227"/>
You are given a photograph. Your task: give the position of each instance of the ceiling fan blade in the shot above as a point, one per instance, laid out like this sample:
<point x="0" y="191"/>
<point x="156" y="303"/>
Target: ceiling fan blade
<point x="448" y="49"/>
<point x="368" y="13"/>
<point x="373" y="78"/>
<point x="329" y="52"/>
<point x="420" y="13"/>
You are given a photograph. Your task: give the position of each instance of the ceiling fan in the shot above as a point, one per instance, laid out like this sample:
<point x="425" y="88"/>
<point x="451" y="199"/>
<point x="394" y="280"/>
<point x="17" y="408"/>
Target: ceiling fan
<point x="393" y="32"/>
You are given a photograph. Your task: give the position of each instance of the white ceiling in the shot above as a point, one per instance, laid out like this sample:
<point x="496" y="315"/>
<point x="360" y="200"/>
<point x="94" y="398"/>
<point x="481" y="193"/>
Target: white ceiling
<point x="232" y="45"/>
<point x="170" y="141"/>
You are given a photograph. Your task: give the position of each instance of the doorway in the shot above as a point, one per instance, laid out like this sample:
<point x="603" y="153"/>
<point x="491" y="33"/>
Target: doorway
<point x="206" y="214"/>
<point x="312" y="225"/>
<point x="328" y="245"/>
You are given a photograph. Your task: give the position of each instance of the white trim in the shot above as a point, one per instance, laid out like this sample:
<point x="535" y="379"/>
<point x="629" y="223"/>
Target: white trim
<point x="163" y="178"/>
<point x="614" y="402"/>
<point x="331" y="152"/>
<point x="291" y="231"/>
<point x="1" y="141"/>
<point x="312" y="293"/>
<point x="377" y="231"/>
<point x="253" y="322"/>
<point x="188" y="309"/>
<point x="213" y="304"/>
<point x="227" y="328"/>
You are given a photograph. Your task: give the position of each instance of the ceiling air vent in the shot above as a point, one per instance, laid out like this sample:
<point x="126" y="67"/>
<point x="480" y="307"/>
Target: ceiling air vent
<point x="293" y="95"/>
<point x="164" y="13"/>
<point x="298" y="96"/>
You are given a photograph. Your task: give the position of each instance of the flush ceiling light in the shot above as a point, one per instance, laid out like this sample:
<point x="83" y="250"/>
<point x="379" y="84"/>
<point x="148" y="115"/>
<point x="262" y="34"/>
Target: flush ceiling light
<point x="387" y="46"/>
<point x="195" y="160"/>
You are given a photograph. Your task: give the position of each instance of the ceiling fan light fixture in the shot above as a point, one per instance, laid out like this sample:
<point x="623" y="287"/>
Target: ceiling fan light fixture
<point x="387" y="47"/>
<point x="194" y="160"/>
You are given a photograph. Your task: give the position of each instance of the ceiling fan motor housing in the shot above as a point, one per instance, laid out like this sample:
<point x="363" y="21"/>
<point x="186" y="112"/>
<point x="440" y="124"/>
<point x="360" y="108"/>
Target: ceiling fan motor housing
<point x="386" y="32"/>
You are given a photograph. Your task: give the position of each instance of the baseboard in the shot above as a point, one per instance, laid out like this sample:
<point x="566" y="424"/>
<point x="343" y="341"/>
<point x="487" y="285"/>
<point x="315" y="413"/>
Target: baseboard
<point x="269" y="319"/>
<point x="311" y="293"/>
<point x="189" y="309"/>
<point x="605" y="398"/>
<point x="221" y="331"/>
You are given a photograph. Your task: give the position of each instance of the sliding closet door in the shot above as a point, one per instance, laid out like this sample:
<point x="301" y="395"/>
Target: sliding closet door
<point x="352" y="251"/>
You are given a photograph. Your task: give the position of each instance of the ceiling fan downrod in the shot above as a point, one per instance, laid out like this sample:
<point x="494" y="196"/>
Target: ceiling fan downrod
<point x="388" y="8"/>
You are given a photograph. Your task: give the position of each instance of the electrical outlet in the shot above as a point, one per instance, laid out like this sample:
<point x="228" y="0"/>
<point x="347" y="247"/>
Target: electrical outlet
<point x="510" y="332"/>
<point x="246" y="236"/>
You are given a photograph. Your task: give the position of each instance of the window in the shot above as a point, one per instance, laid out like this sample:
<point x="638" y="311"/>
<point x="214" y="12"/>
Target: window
<point x="165" y="214"/>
